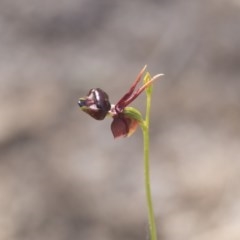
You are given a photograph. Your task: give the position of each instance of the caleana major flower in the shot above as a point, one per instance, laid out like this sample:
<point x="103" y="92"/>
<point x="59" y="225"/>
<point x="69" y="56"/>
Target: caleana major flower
<point x="125" y="119"/>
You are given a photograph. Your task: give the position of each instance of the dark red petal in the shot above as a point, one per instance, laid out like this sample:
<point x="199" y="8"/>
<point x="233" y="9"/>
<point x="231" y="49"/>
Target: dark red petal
<point x="123" y="126"/>
<point x="124" y="101"/>
<point x="120" y="127"/>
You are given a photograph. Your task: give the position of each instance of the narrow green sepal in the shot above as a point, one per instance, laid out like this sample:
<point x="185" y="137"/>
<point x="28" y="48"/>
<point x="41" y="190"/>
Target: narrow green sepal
<point x="133" y="113"/>
<point x="146" y="79"/>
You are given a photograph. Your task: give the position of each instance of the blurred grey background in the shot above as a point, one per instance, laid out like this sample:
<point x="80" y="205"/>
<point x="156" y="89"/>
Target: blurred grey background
<point x="62" y="175"/>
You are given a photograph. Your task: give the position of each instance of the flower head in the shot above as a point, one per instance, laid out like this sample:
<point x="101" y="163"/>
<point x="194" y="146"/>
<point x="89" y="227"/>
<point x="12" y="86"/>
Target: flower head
<point x="125" y="119"/>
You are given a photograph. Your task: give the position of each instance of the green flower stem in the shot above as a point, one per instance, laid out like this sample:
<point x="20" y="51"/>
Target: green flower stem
<point x="145" y="131"/>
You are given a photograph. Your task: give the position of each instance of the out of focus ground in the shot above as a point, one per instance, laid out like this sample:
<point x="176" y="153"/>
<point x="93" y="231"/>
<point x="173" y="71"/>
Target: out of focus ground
<point x="62" y="176"/>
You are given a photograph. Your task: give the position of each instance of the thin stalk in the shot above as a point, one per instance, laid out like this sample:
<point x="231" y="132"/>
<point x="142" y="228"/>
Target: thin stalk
<point x="145" y="130"/>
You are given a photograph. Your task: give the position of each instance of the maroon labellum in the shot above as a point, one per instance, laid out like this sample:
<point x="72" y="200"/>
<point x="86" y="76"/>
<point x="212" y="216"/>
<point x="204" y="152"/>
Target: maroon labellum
<point x="96" y="103"/>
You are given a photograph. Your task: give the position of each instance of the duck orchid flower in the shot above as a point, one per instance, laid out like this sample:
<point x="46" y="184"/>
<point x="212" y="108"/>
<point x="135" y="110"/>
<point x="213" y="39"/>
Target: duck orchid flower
<point x="125" y="119"/>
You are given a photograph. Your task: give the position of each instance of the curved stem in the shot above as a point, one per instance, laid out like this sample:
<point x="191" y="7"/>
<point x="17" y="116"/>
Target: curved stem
<point x="145" y="130"/>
